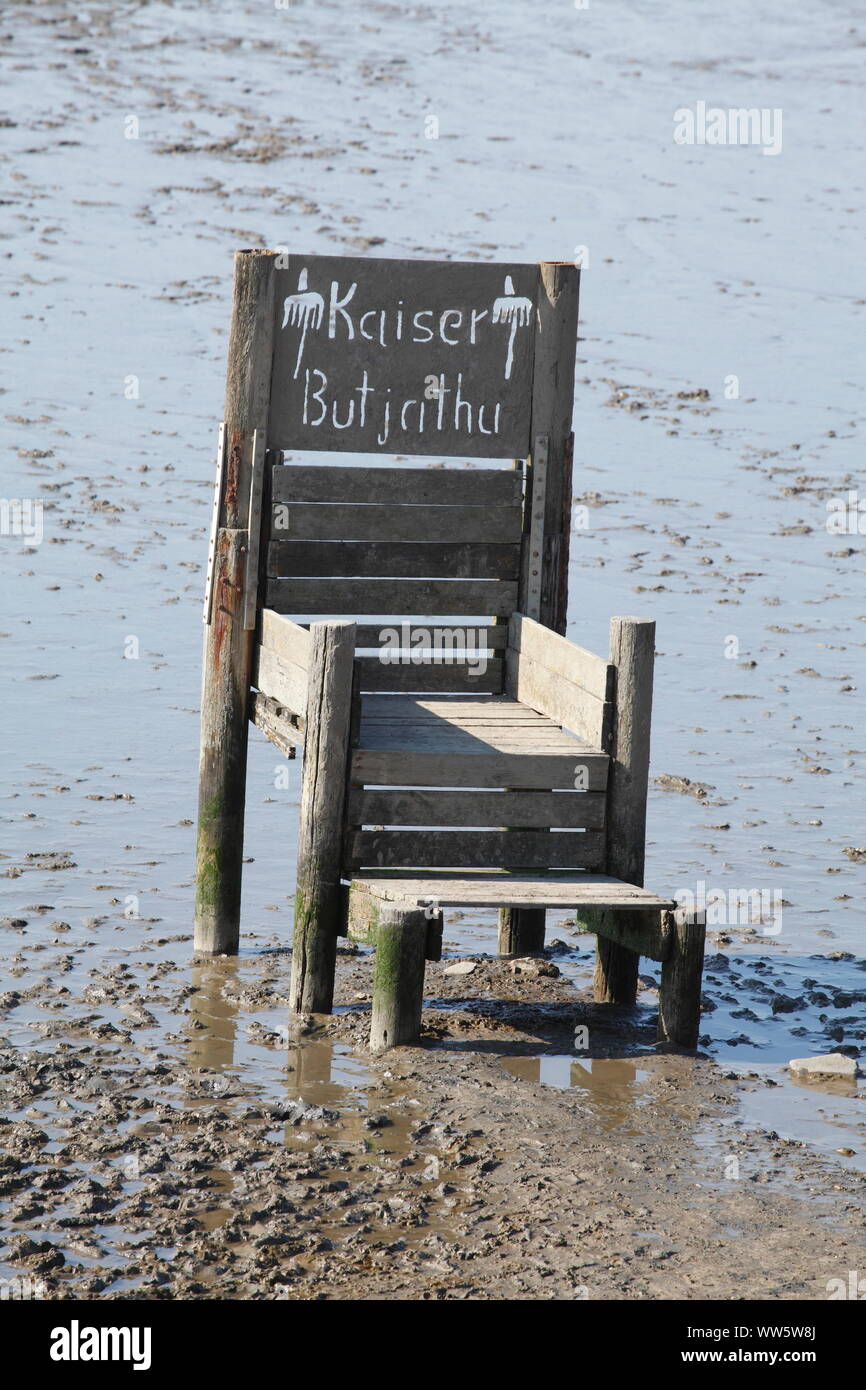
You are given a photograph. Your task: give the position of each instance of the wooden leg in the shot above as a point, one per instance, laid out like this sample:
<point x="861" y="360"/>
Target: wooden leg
<point x="521" y="931"/>
<point x="682" y="972"/>
<point x="320" y="898"/>
<point x="228" y="645"/>
<point x="616" y="966"/>
<point x="398" y="978"/>
<point x="223" y="757"/>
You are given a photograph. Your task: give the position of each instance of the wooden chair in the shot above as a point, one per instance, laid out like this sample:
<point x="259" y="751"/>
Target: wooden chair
<point x="456" y="752"/>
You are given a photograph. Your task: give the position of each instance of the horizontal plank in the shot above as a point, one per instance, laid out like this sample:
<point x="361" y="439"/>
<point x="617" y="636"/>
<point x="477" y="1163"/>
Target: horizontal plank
<point x="457" y="709"/>
<point x="394" y="559"/>
<point x="524" y="849"/>
<point x="476" y="739"/>
<point x="288" y="640"/>
<point x="488" y="597"/>
<point x="285" y="730"/>
<point x="563" y="891"/>
<point x="470" y="724"/>
<point x="450" y="736"/>
<point x="476" y="637"/>
<point x="520" y="810"/>
<point x="377" y="675"/>
<point x="485" y="487"/>
<point x="285" y="682"/>
<point x="406" y="768"/>
<point x="592" y="673"/>
<point x="630" y="929"/>
<point x="311" y="521"/>
<point x="558" y="698"/>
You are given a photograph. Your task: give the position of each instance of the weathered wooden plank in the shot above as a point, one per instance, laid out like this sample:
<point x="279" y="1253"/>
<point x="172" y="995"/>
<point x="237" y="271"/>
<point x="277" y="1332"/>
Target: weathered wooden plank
<point x="288" y="640"/>
<point x="682" y="971"/>
<point x="455" y="487"/>
<point x="379" y="522"/>
<point x="475" y="738"/>
<point x="397" y="596"/>
<point x="358" y="340"/>
<point x="632" y="651"/>
<point x="376" y="675"/>
<point x="523" y="810"/>
<point x="519" y="849"/>
<point x="320" y="901"/>
<point x="476" y="637"/>
<point x="457" y="709"/>
<point x="495" y="889"/>
<point x="563" y="658"/>
<point x="548" y="489"/>
<point x="254" y="530"/>
<point x="552" y="407"/>
<point x="553" y="695"/>
<point x="282" y="680"/>
<point x="284" y="729"/>
<point x="402" y="768"/>
<point x="228" y="645"/>
<point x="393" y="559"/>
<point x="638" y="933"/>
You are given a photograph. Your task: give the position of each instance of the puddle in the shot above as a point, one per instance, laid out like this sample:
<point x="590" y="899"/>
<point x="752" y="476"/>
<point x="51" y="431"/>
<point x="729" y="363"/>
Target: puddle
<point x="611" y="1085"/>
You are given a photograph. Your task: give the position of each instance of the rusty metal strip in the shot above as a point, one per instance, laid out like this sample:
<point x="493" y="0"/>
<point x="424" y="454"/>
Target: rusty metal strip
<point x="254" y="531"/>
<point x="214" y="524"/>
<point x="536" y="527"/>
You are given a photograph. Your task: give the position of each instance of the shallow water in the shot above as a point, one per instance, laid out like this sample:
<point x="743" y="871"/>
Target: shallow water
<point x="707" y="514"/>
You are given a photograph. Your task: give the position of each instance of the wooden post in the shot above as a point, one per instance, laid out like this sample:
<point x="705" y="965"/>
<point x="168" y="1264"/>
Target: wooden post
<point x="228" y="647"/>
<point x="552" y="407"/>
<point x="682" y="971"/>
<point x="521" y="930"/>
<point x="632" y="652"/>
<point x="320" y="900"/>
<point x="398" y="976"/>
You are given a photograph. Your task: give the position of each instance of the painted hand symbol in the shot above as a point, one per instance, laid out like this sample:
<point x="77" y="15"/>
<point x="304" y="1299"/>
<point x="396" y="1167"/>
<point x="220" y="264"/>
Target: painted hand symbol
<point x="304" y="308"/>
<point x="515" y="310"/>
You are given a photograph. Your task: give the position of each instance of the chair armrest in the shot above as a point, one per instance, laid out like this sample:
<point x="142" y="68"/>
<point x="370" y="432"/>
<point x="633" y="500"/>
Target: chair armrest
<point x="570" y="685"/>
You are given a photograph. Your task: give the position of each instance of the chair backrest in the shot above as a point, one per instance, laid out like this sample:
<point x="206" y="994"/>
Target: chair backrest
<point x="434" y="553"/>
<point x="436" y="775"/>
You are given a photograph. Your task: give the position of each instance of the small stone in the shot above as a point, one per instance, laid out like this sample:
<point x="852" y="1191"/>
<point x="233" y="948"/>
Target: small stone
<point x="829" y="1064"/>
<point x="460" y="967"/>
<point x="785" y="1004"/>
<point x="529" y="965"/>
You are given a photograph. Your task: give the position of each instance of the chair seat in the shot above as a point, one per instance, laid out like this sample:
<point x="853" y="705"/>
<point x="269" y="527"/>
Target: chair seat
<point x="502" y="889"/>
<point x="468" y="741"/>
<point x="462" y="724"/>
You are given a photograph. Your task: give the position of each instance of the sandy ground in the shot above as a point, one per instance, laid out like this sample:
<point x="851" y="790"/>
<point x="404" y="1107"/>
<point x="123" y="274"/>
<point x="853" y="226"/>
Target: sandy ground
<point x="162" y="1129"/>
<point x="445" y="1171"/>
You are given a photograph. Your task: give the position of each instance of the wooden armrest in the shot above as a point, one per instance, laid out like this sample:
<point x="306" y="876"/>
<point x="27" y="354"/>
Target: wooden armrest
<point x="570" y="685"/>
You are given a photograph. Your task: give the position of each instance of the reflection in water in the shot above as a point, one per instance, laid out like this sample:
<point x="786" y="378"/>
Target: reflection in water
<point x="611" y="1084"/>
<point x="213" y="1018"/>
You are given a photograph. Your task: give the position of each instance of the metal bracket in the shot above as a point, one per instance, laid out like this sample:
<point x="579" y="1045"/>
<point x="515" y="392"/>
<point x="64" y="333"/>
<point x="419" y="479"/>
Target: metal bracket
<point x="535" y="559"/>
<point x="254" y="531"/>
<point x="214" y="524"/>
